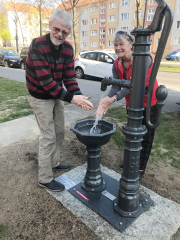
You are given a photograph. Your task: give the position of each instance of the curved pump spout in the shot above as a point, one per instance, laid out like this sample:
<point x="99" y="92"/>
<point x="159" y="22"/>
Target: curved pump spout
<point x="162" y="10"/>
<point x="107" y="81"/>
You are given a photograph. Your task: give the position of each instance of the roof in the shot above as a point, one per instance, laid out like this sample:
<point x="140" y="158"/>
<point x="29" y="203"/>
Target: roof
<point x="80" y="3"/>
<point x="26" y="8"/>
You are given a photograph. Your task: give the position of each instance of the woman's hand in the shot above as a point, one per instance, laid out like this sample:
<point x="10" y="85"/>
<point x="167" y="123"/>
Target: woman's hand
<point x="104" y="105"/>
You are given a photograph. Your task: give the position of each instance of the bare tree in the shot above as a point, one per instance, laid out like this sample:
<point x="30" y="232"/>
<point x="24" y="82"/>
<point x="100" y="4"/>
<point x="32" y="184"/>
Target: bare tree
<point x="71" y="7"/>
<point x="140" y="6"/>
<point x="43" y="8"/>
<point x="15" y="18"/>
<point x="4" y="30"/>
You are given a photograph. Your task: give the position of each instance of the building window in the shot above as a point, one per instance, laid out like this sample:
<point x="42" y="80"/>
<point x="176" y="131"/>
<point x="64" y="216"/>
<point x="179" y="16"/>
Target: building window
<point x="142" y="13"/>
<point x="102" y="19"/>
<point x="150" y="18"/>
<point x="94" y="33"/>
<point x="102" y="43"/>
<point x="112" y="18"/>
<point x="102" y="31"/>
<point x="85" y="22"/>
<point x="125" y="2"/>
<point x="102" y="36"/>
<point x="178" y="24"/>
<point x="93" y="20"/>
<point x="151" y="11"/>
<point x="84" y="44"/>
<point x="177" y="40"/>
<point x="93" y="44"/>
<point x="125" y="16"/>
<point x="111" y="31"/>
<point x="94" y="9"/>
<point x="102" y="24"/>
<point x="112" y="5"/>
<point x="103" y="11"/>
<point x="85" y="33"/>
<point x="152" y="2"/>
<point x="110" y="44"/>
<point x="135" y="14"/>
<point x="124" y="28"/>
<point x="103" y="5"/>
<point x="84" y="11"/>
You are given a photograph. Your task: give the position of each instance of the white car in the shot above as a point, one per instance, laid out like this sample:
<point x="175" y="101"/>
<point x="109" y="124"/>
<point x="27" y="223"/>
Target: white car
<point x="95" y="64"/>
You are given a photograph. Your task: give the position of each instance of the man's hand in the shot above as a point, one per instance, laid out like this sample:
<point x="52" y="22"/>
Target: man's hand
<point x="104" y="105"/>
<point x="81" y="101"/>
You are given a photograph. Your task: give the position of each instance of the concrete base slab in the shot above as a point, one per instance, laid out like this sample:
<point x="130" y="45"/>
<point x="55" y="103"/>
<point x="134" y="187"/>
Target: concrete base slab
<point x="160" y="222"/>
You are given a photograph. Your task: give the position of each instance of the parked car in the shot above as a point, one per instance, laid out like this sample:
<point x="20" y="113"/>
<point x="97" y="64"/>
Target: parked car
<point x="174" y="55"/>
<point x="9" y="58"/>
<point x="95" y="64"/>
<point x="23" y="56"/>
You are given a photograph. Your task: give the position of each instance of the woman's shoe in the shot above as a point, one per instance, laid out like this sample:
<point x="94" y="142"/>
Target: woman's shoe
<point x="121" y="165"/>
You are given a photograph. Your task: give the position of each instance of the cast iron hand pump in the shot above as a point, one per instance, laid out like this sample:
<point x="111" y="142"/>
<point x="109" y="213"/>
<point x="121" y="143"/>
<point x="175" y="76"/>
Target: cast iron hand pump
<point x="128" y="203"/>
<point x="162" y="10"/>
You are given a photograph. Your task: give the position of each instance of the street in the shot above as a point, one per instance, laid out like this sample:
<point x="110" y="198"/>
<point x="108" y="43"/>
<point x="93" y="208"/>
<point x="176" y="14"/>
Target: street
<point x="91" y="88"/>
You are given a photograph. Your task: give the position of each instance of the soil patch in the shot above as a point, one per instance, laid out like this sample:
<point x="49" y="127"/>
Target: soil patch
<point x="33" y="214"/>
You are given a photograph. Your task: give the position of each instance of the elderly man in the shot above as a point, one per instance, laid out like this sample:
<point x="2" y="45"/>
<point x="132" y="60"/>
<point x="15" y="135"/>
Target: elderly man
<point x="49" y="65"/>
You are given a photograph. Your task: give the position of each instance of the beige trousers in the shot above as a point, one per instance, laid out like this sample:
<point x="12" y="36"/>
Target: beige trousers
<point x="50" y="118"/>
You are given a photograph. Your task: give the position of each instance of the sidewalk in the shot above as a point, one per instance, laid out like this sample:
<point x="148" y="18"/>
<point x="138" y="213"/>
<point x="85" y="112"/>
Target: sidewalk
<point x="26" y="127"/>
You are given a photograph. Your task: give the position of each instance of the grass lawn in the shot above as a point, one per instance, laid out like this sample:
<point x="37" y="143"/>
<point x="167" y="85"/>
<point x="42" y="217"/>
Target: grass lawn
<point x="169" y="68"/>
<point x="167" y="136"/>
<point x="13" y="100"/>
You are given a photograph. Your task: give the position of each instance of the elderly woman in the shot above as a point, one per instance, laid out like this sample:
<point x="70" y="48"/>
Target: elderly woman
<point x="122" y="70"/>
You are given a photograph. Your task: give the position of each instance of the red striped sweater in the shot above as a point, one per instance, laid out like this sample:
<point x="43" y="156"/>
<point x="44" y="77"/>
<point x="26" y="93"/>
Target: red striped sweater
<point x="47" y="69"/>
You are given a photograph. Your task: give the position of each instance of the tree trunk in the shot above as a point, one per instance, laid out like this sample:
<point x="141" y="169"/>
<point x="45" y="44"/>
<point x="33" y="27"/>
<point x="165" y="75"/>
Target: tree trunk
<point x="16" y="23"/>
<point x="137" y="13"/>
<point x="74" y="29"/>
<point x="40" y="16"/>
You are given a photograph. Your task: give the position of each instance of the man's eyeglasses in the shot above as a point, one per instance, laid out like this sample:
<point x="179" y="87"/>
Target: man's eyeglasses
<point x="57" y="30"/>
<point x="125" y="33"/>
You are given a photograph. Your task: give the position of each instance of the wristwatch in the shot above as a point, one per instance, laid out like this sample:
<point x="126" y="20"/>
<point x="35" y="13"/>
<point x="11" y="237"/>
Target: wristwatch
<point x="115" y="100"/>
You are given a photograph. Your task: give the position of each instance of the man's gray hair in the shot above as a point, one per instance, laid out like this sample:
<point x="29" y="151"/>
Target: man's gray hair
<point x="63" y="16"/>
<point x="125" y="34"/>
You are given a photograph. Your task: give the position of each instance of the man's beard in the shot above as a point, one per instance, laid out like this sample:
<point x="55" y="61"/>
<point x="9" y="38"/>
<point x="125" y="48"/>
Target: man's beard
<point x="57" y="41"/>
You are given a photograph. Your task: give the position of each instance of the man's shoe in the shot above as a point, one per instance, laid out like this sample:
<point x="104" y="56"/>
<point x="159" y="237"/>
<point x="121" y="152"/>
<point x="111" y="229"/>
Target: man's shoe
<point x="62" y="166"/>
<point x="53" y="186"/>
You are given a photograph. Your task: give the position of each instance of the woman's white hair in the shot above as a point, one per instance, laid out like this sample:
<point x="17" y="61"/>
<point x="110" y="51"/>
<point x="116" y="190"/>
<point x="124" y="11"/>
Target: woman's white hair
<point x="125" y="34"/>
<point x="63" y="16"/>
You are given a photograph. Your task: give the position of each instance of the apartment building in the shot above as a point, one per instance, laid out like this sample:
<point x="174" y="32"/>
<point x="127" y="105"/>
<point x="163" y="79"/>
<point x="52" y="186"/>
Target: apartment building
<point x="151" y="8"/>
<point x="102" y="19"/>
<point x="175" y="39"/>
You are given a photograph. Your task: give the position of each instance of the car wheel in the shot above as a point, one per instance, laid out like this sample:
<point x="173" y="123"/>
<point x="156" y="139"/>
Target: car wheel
<point x="6" y="64"/>
<point x="175" y="58"/>
<point x="23" y="66"/>
<point x="79" y="72"/>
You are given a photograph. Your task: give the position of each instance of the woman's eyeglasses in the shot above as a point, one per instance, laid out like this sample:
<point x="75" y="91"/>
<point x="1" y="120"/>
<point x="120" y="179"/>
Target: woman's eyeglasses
<point x="57" y="30"/>
<point x="125" y="33"/>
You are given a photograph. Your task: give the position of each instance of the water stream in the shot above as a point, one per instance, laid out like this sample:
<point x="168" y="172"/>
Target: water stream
<point x="97" y="117"/>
